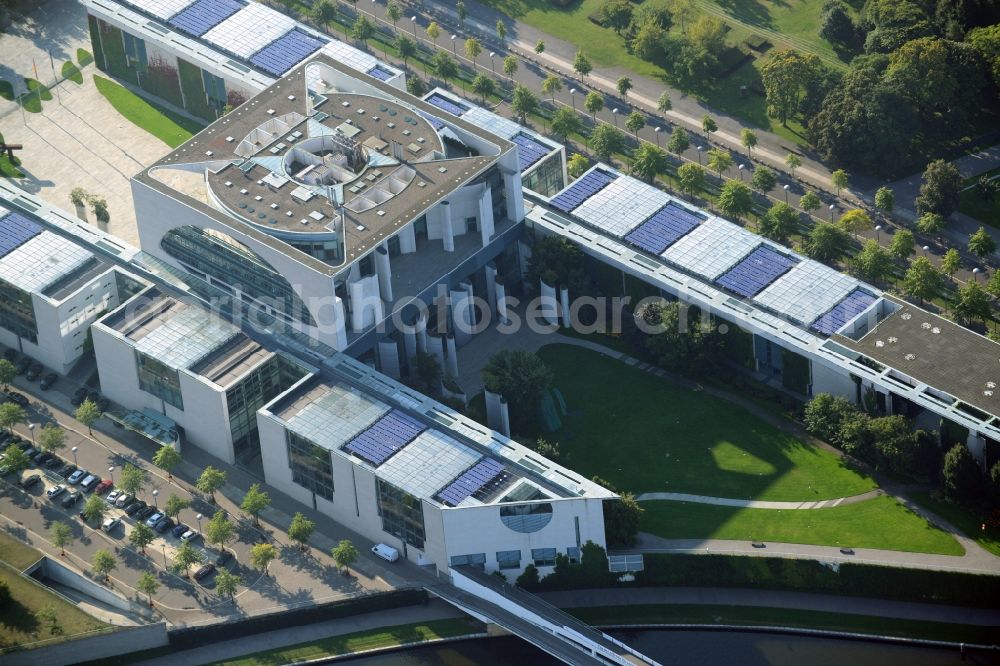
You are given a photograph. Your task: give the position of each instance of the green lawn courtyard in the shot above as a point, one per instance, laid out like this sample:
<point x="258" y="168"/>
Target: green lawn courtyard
<point x="170" y="127"/>
<point x="647" y="434"/>
<point x="972" y="202"/>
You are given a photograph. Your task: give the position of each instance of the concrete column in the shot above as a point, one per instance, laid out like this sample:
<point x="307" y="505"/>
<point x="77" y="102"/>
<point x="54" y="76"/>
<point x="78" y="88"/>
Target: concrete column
<point x="366" y="304"/>
<point x="564" y="306"/>
<point x="497" y="417"/>
<point x="388" y="357"/>
<point x="339" y="323"/>
<point x="435" y="348"/>
<point x="486" y="223"/>
<point x="355" y="272"/>
<point x="384" y="271"/>
<point x="515" y="199"/>
<point x="501" y="296"/>
<point x="459" y="299"/>
<point x="490" y="271"/>
<point x="548" y="307"/>
<point x="407" y="239"/>
<point x="447" y="227"/>
<point x="451" y="359"/>
<point x="421" y="327"/>
<point x="504" y="417"/>
<point x="409" y="334"/>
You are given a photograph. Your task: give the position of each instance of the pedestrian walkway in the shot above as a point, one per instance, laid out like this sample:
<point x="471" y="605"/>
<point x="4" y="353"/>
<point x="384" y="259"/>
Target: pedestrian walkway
<point x="760" y="504"/>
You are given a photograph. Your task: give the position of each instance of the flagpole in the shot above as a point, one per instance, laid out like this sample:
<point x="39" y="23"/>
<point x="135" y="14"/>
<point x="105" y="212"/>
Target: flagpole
<point x="55" y="78"/>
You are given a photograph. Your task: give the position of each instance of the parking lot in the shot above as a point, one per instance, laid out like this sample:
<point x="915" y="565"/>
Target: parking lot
<point x="296" y="577"/>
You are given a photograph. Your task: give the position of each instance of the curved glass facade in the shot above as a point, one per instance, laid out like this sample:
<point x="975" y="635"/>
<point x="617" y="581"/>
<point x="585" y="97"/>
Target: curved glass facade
<point x="227" y="261"/>
<point x="526" y="518"/>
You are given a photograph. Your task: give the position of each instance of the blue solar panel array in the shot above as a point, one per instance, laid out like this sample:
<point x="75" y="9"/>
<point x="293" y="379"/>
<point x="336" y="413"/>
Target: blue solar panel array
<point x="664" y="228"/>
<point x="854" y="304"/>
<point x="385" y="437"/>
<point x="204" y="15"/>
<point x="287" y="51"/>
<point x="381" y="73"/>
<point x="762" y="267"/>
<point x="470" y="481"/>
<point x="15" y="231"/>
<point x="446" y="104"/>
<point x="433" y="120"/>
<point x="529" y="150"/>
<point x="581" y="190"/>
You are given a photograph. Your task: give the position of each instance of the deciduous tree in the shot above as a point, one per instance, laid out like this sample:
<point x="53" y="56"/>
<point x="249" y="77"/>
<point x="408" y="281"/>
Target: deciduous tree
<point x="141" y="536"/>
<point x="691" y="177"/>
<point x="763" y="180"/>
<point x="940" y="189"/>
<point x="719" y="160"/>
<point x="649" y="162"/>
<point x="219" y="530"/>
<point x="635" y="122"/>
<point x="581" y="65"/>
<point x="344" y="554"/>
<point x="167" y="458"/>
<point x="523" y="102"/>
<point x="825" y="243"/>
<point x="735" y="199"/>
<point x="749" y="139"/>
<point x="593" y="103"/>
<point x="62" y="536"/>
<point x="785" y="75"/>
<point x="254" y="502"/>
<point x="577" y="165"/>
<point x="103" y="561"/>
<point x="483" y="86"/>
<point x="780" y="222"/>
<point x="522" y="378"/>
<point x="873" y="262"/>
<point x="186" y="556"/>
<point x="261" y="556"/>
<point x="623" y="85"/>
<point x="855" y="221"/>
<point x="300" y="529"/>
<point x="606" y="140"/>
<point x="981" y="243"/>
<point x="971" y="303"/>
<point x="51" y="438"/>
<point x="148" y="585"/>
<point x="951" y="262"/>
<point x="885" y="199"/>
<point x="211" y="479"/>
<point x="87" y="413"/>
<point x="902" y="244"/>
<point x="922" y="280"/>
<point x="679" y="141"/>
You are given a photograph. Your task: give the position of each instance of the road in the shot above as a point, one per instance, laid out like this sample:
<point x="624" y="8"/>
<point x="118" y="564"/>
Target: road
<point x="297" y="578"/>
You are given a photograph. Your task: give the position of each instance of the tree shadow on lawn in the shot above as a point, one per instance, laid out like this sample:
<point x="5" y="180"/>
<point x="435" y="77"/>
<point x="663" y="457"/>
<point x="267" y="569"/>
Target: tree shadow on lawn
<point x="750" y="11"/>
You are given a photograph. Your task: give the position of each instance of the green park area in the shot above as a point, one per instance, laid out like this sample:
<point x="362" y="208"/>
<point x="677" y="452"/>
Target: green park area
<point x="644" y="434"/>
<point x="980" y="197"/>
<point x="359" y="642"/>
<point x="31" y="613"/>
<point x="170" y="127"/>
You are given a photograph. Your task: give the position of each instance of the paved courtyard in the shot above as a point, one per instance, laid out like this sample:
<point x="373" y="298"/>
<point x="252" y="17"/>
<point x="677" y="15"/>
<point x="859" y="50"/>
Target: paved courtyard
<point x="78" y="140"/>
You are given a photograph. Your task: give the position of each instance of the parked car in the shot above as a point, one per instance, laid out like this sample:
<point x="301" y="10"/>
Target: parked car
<point x="190" y="536"/>
<point x="155" y="518"/>
<point x="134" y="508"/>
<point x="55" y="491"/>
<point x="23" y="364"/>
<point x="111" y="524"/>
<point x="30" y="481"/>
<point x="31" y="452"/>
<point x="78" y="476"/>
<point x="113" y="496"/>
<point x="164" y="525"/>
<point x="67" y="471"/>
<point x="386" y="552"/>
<point x="123" y="500"/>
<point x="180" y="529"/>
<point x="48" y="381"/>
<point x="79" y="397"/>
<point x="54" y="463"/>
<point x="34" y="372"/>
<point x="18" y="398"/>
<point x="204" y="572"/>
<point x="223" y="557"/>
<point x="145" y="513"/>
<point x="72" y="498"/>
<point x="103" y="487"/>
<point x="89" y="483"/>
<point x="43" y="458"/>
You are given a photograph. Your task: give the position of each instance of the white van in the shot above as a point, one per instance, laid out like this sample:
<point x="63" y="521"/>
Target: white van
<point x="387" y="553"/>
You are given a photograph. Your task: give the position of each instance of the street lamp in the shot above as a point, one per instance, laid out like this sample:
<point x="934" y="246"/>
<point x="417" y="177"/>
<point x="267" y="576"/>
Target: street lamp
<point x="785" y="188"/>
<point x="164" y="547"/>
<point x="413" y="21"/>
<point x="740" y="169"/>
<point x="31" y="429"/>
<point x="614" y="112"/>
<point x="572" y="94"/>
<point x="926" y="249"/>
<point x="198" y="518"/>
<point x="656" y="130"/>
<point x="453" y="48"/>
<point x="975" y="274"/>
<point x="699" y="149"/>
<point x="155" y="493"/>
<point x="878" y="237"/>
<point x="493" y="63"/>
<point x="73" y="451"/>
<point x="111" y="473"/>
<point x="832" y="207"/>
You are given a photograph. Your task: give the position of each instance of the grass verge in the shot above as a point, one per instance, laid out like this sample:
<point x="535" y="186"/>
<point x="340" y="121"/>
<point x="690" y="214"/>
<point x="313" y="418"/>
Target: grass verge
<point x="84" y="57"/>
<point x="881" y="523"/>
<point x="16" y="554"/>
<point x="650" y="434"/>
<point x="72" y="72"/>
<point x="962" y="518"/>
<point x="359" y="641"/>
<point x="6" y="90"/>
<point x="781" y="617"/>
<point x="170" y="127"/>
<point x="974" y="204"/>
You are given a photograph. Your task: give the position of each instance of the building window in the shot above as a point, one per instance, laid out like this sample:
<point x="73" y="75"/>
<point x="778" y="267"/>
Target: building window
<point x="574" y="554"/>
<point x="159" y="379"/>
<point x="477" y="560"/>
<point x="311" y="466"/>
<point x="543" y="557"/>
<point x="509" y="559"/>
<point x="17" y="312"/>
<point x="526" y="518"/>
<point x="215" y="90"/>
<point x="402" y="514"/>
<point x="251" y="393"/>
<point x="135" y="51"/>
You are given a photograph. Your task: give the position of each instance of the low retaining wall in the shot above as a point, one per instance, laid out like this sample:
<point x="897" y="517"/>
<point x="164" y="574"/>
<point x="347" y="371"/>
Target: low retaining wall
<point x="55" y="571"/>
<point x="104" y="645"/>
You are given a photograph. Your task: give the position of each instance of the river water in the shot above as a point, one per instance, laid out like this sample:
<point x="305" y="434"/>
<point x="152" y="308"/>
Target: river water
<point x="701" y="648"/>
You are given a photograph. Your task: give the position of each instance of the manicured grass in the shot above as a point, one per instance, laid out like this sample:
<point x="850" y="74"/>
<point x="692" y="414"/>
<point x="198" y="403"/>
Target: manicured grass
<point x="8" y="167"/>
<point x="171" y="128"/>
<point x="755" y="617"/>
<point x="356" y="642"/>
<point x="881" y="523"/>
<point x="646" y="434"/>
<point x="72" y="72"/>
<point x="6" y="90"/>
<point x="17" y="554"/>
<point x="965" y="520"/>
<point x="83" y="57"/>
<point x="974" y="204"/>
<point x="38" y="89"/>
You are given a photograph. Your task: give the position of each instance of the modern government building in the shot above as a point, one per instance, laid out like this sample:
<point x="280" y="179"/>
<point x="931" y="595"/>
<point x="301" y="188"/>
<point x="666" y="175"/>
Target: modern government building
<point x="322" y="204"/>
